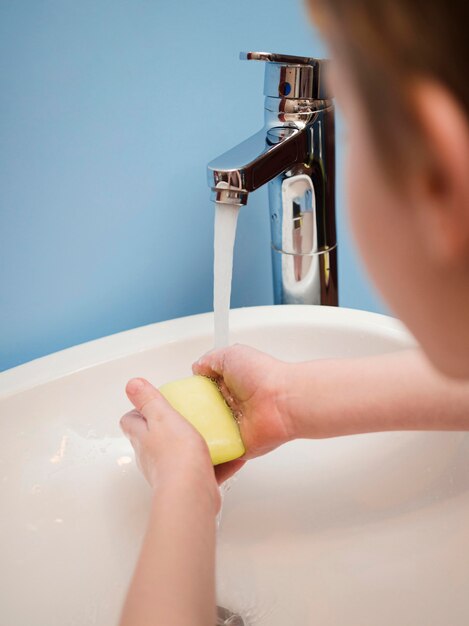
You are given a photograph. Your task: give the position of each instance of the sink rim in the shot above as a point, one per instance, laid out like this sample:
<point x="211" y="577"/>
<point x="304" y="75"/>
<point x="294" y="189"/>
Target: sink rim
<point x="111" y="347"/>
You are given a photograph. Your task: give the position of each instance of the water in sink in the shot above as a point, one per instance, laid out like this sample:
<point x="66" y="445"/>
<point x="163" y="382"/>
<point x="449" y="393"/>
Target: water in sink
<point x="226" y="218"/>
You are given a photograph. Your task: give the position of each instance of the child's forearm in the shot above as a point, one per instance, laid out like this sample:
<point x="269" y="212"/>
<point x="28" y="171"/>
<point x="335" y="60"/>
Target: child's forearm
<point x="174" y="580"/>
<point x="399" y="391"/>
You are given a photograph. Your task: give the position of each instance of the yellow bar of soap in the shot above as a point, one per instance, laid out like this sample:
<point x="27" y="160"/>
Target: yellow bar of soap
<point x="199" y="400"/>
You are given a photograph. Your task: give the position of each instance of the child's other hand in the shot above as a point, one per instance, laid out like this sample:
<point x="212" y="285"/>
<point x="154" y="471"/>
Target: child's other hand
<point x="168" y="448"/>
<point x="254" y="386"/>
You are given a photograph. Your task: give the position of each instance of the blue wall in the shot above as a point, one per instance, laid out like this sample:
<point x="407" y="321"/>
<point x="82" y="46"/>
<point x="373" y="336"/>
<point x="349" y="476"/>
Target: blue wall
<point x="109" y="112"/>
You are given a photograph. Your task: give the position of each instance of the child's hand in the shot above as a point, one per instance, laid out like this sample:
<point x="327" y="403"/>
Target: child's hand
<point x="167" y="447"/>
<point x="253" y="384"/>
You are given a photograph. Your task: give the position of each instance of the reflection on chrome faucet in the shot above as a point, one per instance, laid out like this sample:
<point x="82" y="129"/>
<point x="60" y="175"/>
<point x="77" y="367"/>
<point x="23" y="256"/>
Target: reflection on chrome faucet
<point x="294" y="154"/>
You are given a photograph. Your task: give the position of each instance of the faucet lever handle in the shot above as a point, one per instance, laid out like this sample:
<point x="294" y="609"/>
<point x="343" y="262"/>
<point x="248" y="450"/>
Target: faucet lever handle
<point x="273" y="57"/>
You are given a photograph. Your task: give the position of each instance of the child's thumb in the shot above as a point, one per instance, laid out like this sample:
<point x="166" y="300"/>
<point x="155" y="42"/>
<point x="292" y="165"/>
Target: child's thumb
<point x="147" y="400"/>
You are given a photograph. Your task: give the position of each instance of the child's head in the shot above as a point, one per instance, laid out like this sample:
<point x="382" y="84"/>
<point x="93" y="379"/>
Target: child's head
<point x="401" y="79"/>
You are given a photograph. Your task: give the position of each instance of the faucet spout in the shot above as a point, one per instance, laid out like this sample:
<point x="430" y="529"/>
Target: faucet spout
<point x="255" y="162"/>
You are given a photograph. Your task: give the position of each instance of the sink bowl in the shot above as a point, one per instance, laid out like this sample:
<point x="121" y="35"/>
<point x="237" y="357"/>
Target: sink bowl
<point x="356" y="531"/>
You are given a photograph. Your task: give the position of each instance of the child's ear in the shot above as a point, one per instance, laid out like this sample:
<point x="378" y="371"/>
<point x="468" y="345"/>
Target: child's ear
<point x="443" y="188"/>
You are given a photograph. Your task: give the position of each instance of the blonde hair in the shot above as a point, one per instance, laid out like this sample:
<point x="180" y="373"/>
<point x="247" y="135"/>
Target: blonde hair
<point x="386" y="44"/>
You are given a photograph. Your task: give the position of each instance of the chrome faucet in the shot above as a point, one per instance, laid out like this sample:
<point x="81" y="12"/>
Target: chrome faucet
<point x="294" y="154"/>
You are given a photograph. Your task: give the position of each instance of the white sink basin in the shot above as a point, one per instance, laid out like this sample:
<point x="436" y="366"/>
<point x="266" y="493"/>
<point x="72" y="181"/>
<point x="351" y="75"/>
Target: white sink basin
<point x="358" y="531"/>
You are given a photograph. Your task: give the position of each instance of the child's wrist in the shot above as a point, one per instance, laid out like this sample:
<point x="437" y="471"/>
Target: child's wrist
<point x="301" y="393"/>
<point x="192" y="484"/>
<point x="285" y="392"/>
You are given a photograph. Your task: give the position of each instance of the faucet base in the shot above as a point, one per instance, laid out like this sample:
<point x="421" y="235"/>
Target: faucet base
<point x="305" y="279"/>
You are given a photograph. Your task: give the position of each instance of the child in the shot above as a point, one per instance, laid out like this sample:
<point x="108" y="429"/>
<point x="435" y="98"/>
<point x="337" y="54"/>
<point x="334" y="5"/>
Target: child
<point x="400" y="77"/>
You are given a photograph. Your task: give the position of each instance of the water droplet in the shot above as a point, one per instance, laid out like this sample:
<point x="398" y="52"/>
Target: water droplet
<point x="59" y="455"/>
<point x="228" y="484"/>
<point x="123" y="460"/>
<point x="36" y="489"/>
<point x="58" y="520"/>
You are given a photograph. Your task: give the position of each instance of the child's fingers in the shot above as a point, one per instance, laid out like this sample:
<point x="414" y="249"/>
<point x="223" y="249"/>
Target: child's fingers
<point x="211" y="364"/>
<point x="226" y="470"/>
<point x="147" y="400"/>
<point x="134" y="425"/>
